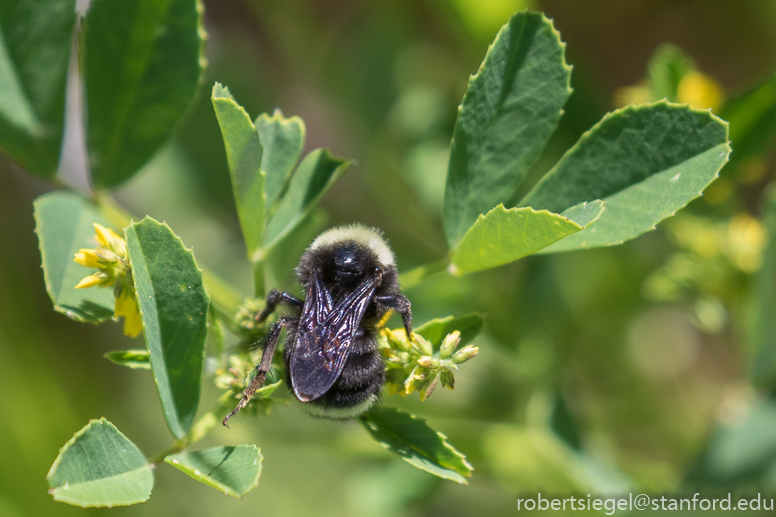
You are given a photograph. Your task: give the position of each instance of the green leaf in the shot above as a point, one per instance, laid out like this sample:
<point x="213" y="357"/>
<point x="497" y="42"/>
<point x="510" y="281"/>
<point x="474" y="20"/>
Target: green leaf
<point x="64" y="225"/>
<point x="666" y="68"/>
<point x="762" y="333"/>
<point x="510" y="108"/>
<point x="469" y="325"/>
<point x="317" y="172"/>
<point x="752" y="117"/>
<point x="173" y="306"/>
<point x="411" y="438"/>
<point x="35" y="46"/>
<point x="244" y="155"/>
<point x="233" y="470"/>
<point x="135" y="359"/>
<point x="646" y="162"/>
<point x="505" y="235"/>
<point x="282" y="139"/>
<point x="142" y="64"/>
<point x="100" y="467"/>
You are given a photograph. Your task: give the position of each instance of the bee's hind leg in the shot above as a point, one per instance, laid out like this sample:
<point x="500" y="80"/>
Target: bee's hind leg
<point x="273" y="299"/>
<point x="262" y="368"/>
<point x="400" y="304"/>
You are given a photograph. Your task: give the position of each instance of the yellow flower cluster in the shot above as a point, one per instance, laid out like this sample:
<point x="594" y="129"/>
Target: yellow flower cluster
<point x="113" y="269"/>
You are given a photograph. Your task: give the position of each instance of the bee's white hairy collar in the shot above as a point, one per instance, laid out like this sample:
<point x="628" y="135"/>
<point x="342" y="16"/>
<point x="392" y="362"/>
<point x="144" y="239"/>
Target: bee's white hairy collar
<point x="360" y="233"/>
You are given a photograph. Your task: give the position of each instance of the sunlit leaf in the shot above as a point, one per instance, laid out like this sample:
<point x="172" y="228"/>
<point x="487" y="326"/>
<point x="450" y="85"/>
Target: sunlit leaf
<point x="100" y="467"/>
<point x="244" y="155"/>
<point x="174" y="307"/>
<point x="510" y="108"/>
<point x="64" y="225"/>
<point x="282" y="139"/>
<point x="317" y="172"/>
<point x="505" y="235"/>
<point x="469" y="325"/>
<point x="646" y="162"/>
<point x="142" y="63"/>
<point x="233" y="470"/>
<point x="418" y="444"/>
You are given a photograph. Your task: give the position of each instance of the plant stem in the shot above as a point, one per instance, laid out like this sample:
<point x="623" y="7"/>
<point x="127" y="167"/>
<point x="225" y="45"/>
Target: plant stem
<point x="258" y="279"/>
<point x="415" y="276"/>
<point x="199" y="430"/>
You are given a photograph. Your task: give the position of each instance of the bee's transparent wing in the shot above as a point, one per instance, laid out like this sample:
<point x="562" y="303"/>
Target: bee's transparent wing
<point x="321" y="346"/>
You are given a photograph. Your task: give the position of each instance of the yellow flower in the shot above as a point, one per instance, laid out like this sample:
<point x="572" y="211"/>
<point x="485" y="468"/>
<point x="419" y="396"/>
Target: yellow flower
<point x="111" y="261"/>
<point x="110" y="240"/>
<point x="700" y="91"/>
<point x="126" y="306"/>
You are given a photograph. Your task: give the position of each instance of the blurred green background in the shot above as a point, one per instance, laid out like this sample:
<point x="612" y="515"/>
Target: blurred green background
<point x="600" y="371"/>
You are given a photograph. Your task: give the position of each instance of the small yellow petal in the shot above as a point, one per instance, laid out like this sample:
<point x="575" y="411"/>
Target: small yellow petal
<point x="133" y="324"/>
<point x="91" y="281"/>
<point x="110" y="240"/>
<point x="87" y="258"/>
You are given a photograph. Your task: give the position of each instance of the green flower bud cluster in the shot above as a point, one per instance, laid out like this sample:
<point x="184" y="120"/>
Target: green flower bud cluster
<point x="418" y="365"/>
<point x="248" y="314"/>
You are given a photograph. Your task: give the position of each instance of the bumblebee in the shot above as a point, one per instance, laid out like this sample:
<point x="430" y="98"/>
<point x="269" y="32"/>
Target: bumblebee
<point x="332" y="361"/>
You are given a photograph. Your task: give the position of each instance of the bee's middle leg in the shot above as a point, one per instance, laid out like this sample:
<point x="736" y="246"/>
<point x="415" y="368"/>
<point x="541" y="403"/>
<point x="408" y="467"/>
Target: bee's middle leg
<point x="273" y="299"/>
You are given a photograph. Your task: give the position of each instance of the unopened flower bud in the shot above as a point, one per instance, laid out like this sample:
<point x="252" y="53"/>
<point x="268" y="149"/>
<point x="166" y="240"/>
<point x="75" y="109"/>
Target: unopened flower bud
<point x="429" y="362"/>
<point x="449" y="344"/>
<point x="429" y="388"/>
<point x="465" y="354"/>
<point x="422" y="344"/>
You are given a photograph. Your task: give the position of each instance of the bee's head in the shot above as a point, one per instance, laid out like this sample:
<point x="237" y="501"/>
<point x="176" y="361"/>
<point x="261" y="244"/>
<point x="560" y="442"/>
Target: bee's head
<point x="345" y="256"/>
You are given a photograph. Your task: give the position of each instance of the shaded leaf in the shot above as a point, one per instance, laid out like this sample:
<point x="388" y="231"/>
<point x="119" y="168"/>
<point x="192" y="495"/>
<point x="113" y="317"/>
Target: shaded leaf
<point x="646" y="162"/>
<point x="244" y="155"/>
<point x="135" y="359"/>
<point x="63" y="222"/>
<point x="739" y="452"/>
<point x="762" y="335"/>
<point x="233" y="470"/>
<point x="35" y="47"/>
<point x="174" y="307"/>
<point x="752" y="118"/>
<point x="100" y="467"/>
<point x="317" y="172"/>
<point x="469" y="325"/>
<point x="510" y="108"/>
<point x="505" y="235"/>
<point x="411" y="438"/>
<point x="282" y="139"/>
<point x="666" y="68"/>
<point x="142" y="63"/>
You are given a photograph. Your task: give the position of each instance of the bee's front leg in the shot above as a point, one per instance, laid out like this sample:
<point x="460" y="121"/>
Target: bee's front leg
<point x="400" y="304"/>
<point x="262" y="368"/>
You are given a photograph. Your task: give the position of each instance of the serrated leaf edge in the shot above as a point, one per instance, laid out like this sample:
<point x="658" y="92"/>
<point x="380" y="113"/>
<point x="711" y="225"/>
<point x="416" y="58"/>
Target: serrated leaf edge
<point x="618" y="112"/>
